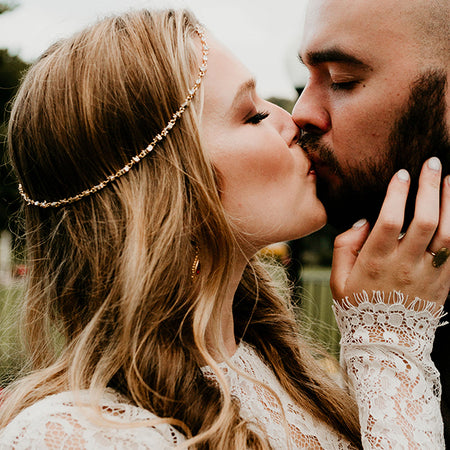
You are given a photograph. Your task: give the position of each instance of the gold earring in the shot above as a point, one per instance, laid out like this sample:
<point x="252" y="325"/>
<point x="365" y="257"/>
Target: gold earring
<point x="195" y="268"/>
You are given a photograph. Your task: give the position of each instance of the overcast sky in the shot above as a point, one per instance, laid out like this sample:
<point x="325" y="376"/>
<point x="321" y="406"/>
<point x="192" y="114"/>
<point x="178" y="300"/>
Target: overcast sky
<point x="264" y="34"/>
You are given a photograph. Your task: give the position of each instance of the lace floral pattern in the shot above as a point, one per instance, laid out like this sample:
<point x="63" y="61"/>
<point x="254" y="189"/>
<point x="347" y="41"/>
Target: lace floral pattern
<point x="57" y="423"/>
<point x="385" y="351"/>
<point x="260" y="407"/>
<point x="385" y="348"/>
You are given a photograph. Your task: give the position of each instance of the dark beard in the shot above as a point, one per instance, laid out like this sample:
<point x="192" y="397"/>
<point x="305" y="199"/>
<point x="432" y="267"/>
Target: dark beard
<point x="419" y="133"/>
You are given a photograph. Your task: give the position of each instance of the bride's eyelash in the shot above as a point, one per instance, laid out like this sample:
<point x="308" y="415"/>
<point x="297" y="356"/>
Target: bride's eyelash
<point x="258" y="117"/>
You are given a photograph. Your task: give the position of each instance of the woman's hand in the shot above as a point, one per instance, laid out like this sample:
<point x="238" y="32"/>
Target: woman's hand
<point x="381" y="261"/>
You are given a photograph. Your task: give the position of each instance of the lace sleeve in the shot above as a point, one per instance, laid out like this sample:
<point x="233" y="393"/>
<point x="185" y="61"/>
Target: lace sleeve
<point x="56" y="423"/>
<point x="385" y="350"/>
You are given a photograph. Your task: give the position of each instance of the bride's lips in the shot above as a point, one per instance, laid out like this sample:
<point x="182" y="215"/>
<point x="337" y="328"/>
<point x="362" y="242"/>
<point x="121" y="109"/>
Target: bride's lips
<point x="323" y="171"/>
<point x="312" y="169"/>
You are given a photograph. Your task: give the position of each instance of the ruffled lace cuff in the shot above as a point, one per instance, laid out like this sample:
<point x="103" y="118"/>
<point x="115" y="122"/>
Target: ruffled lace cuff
<point x="388" y="318"/>
<point x="386" y="342"/>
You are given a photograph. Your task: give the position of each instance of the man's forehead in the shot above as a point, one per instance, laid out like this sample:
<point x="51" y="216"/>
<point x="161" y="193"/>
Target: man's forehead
<point x="354" y="25"/>
<point x="386" y="8"/>
<point x="361" y="14"/>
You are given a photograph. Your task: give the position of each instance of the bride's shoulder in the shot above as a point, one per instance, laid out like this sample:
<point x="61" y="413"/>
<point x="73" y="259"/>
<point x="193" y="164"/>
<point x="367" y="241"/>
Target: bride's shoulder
<point x="66" y="420"/>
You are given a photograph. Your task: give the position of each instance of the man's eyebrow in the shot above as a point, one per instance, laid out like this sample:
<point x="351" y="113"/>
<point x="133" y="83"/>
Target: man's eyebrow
<point x="315" y="58"/>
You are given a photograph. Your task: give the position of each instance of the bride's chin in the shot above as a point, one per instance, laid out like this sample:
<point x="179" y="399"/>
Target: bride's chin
<point x="250" y="245"/>
<point x="318" y="222"/>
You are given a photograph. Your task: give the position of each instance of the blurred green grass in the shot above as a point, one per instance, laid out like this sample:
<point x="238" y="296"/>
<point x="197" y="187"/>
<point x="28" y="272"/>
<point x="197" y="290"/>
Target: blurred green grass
<point x="316" y="317"/>
<point x="11" y="351"/>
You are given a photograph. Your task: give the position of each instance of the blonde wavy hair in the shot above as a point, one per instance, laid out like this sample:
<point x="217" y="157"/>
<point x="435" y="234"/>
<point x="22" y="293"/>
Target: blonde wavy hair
<point x="110" y="301"/>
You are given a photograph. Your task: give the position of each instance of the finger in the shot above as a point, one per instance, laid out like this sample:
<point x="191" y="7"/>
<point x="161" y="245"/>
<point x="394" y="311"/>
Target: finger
<point x="442" y="236"/>
<point x="426" y="214"/>
<point x="346" y="248"/>
<point x="385" y="233"/>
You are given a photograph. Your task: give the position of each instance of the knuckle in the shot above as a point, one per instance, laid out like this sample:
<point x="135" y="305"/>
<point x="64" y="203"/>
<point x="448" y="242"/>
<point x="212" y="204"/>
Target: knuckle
<point x="435" y="182"/>
<point x="373" y="269"/>
<point x="404" y="274"/>
<point x="443" y="240"/>
<point x="341" y="241"/>
<point x="426" y="225"/>
<point x="390" y="224"/>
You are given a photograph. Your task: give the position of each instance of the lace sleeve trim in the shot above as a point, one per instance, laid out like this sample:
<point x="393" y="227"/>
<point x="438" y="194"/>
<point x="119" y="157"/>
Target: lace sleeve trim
<point x="386" y="342"/>
<point x="390" y="298"/>
<point x="391" y="318"/>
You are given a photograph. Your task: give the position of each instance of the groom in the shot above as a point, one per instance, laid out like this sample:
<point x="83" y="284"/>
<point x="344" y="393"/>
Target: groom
<point x="377" y="100"/>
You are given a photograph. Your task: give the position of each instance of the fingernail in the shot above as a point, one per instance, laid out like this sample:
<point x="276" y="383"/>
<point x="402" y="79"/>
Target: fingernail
<point x="359" y="224"/>
<point x="447" y="179"/>
<point x="434" y="163"/>
<point x="403" y="175"/>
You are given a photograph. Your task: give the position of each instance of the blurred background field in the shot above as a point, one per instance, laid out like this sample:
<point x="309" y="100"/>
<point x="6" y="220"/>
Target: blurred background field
<point x="314" y="307"/>
<point x="11" y="354"/>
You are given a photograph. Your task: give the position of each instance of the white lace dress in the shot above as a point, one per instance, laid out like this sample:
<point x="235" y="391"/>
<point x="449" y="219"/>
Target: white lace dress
<point x="385" y="350"/>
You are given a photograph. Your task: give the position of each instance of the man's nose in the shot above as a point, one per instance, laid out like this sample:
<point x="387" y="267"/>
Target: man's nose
<point x="310" y="114"/>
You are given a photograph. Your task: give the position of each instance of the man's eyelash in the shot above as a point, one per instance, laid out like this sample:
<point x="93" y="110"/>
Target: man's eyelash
<point x="258" y="117"/>
<point x="344" y="86"/>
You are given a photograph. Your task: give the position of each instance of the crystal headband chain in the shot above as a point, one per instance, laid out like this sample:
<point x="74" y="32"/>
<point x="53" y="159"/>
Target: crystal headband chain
<point x="159" y="137"/>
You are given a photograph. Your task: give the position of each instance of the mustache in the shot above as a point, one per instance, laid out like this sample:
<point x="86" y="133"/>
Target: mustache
<point x="310" y="142"/>
<point x="315" y="149"/>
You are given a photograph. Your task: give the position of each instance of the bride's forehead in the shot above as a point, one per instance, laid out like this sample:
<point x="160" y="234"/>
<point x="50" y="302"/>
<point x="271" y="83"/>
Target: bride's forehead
<point x="225" y="70"/>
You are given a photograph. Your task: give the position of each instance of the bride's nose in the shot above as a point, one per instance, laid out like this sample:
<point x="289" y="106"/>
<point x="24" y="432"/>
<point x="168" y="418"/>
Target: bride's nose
<point x="287" y="127"/>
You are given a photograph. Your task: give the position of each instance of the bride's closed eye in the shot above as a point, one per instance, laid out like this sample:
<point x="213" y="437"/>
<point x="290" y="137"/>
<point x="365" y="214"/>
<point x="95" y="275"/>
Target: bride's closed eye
<point x="258" y="117"/>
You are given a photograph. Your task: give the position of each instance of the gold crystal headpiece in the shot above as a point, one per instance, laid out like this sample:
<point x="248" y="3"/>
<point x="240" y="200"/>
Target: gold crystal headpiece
<point x="143" y="153"/>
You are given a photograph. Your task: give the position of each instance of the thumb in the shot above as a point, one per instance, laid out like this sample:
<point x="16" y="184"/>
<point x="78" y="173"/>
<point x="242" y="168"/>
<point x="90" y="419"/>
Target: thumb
<point x="346" y="249"/>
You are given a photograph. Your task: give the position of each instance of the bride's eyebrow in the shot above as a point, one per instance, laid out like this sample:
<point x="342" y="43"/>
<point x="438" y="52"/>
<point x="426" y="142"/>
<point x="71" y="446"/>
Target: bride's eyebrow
<point x="243" y="90"/>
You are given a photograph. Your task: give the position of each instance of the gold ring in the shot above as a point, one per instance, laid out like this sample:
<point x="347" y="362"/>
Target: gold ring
<point x="440" y="257"/>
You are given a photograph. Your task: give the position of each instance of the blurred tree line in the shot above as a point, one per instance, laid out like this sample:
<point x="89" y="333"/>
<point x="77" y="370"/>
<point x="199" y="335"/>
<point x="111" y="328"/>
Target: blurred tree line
<point x="11" y="69"/>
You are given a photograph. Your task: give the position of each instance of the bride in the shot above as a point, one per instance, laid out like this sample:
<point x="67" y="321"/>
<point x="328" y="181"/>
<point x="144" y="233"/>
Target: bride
<point x="152" y="174"/>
